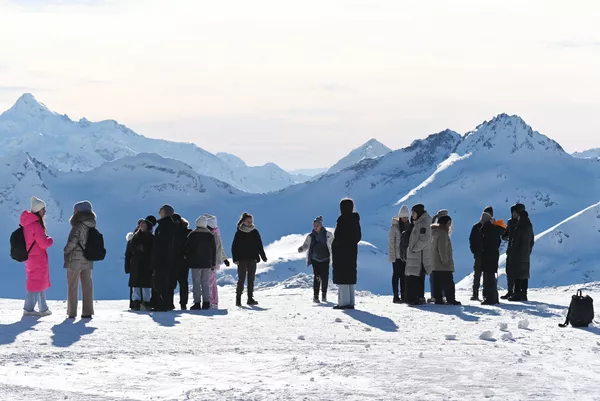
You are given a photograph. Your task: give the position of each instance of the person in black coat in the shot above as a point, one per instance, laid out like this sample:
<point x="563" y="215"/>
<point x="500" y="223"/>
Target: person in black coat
<point x="247" y="250"/>
<point x="140" y="269"/>
<point x="180" y="272"/>
<point x="520" y="247"/>
<point x="491" y="238"/>
<point x="508" y="234"/>
<point x="162" y="258"/>
<point x="128" y="237"/>
<point x="345" y="253"/>
<point x="476" y="244"/>
<point x="201" y="256"/>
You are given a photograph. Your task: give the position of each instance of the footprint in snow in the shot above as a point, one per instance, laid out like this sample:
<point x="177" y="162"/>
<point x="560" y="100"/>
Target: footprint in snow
<point x="338" y="320"/>
<point x="368" y="329"/>
<point x="450" y="337"/>
<point x="301" y="338"/>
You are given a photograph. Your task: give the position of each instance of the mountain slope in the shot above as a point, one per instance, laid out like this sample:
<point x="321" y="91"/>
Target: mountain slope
<point x="68" y="145"/>
<point x="588" y="154"/>
<point x="370" y="150"/>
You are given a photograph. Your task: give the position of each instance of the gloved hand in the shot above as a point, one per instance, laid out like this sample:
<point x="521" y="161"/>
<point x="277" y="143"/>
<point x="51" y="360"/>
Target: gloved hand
<point x="226" y="262"/>
<point x="300" y="250"/>
<point x="264" y="259"/>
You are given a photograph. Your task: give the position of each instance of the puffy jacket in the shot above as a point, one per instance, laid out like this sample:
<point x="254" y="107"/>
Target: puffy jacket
<point x="80" y="227"/>
<point x="521" y="246"/>
<point x="490" y="251"/>
<point x="419" y="247"/>
<point x="201" y="249"/>
<point x="37" y="271"/>
<point x="441" y="249"/>
<point x="308" y="242"/>
<point x="476" y="240"/>
<point x="345" y="249"/>
<point x="140" y="254"/>
<point x="164" y="244"/>
<point x="395" y="251"/>
<point x="247" y="246"/>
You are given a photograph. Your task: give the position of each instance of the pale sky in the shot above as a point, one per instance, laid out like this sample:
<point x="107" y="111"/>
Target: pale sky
<point x="300" y="83"/>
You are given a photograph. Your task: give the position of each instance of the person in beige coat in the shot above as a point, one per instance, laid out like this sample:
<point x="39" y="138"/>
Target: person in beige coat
<point x="418" y="256"/>
<point x="78" y="267"/>
<point x="442" y="262"/>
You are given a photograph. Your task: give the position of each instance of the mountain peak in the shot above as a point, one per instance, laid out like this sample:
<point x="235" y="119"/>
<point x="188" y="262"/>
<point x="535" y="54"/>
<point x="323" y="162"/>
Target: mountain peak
<point x="369" y="150"/>
<point x="506" y="135"/>
<point x="28" y="105"/>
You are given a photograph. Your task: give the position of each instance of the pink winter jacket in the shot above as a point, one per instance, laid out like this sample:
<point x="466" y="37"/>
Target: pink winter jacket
<point x="36" y="266"/>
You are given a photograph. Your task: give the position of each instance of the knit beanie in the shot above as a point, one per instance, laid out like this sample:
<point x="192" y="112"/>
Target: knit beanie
<point x="489" y="210"/>
<point x="168" y="209"/>
<point x="211" y="220"/>
<point x="37" y="204"/>
<point x="150" y="221"/>
<point x="519" y="207"/>
<point x="485" y="218"/>
<point x="83" y="206"/>
<point x="404" y="212"/>
<point x="318" y="219"/>
<point x="202" y="222"/>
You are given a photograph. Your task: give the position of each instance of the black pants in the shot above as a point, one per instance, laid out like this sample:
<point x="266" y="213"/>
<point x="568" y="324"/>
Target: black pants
<point x="510" y="281"/>
<point x="246" y="268"/>
<point x="162" y="290"/>
<point x="443" y="284"/>
<point x="321" y="279"/>
<point x="183" y="275"/>
<point x="399" y="268"/>
<point x="476" y="275"/>
<point x="415" y="287"/>
<point x="490" y="287"/>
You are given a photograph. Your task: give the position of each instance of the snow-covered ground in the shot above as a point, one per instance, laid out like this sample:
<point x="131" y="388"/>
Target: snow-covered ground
<point x="290" y="349"/>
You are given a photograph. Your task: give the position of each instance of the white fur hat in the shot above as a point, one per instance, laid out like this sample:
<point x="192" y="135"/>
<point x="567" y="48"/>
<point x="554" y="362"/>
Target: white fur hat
<point x="211" y="221"/>
<point x="201" y="222"/>
<point x="37" y="204"/>
<point x="404" y="212"/>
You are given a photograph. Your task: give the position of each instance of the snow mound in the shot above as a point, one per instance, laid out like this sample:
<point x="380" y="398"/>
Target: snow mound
<point x="487" y="335"/>
<point x="524" y="324"/>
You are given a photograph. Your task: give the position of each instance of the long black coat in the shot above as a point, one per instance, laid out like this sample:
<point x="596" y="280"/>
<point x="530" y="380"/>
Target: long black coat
<point x="520" y="247"/>
<point x="201" y="250"/>
<point x="508" y="234"/>
<point x="247" y="247"/>
<point x="163" y="247"/>
<point x="476" y="240"/>
<point x="140" y="259"/>
<point x="491" y="238"/>
<point x="182" y="231"/>
<point x="345" y="249"/>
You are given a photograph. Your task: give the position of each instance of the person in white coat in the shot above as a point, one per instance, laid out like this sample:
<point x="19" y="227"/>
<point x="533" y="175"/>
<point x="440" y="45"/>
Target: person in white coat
<point x="318" y="254"/>
<point x="221" y="259"/>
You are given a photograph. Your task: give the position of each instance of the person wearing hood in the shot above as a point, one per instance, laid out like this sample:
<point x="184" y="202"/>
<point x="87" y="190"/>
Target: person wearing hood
<point x="221" y="259"/>
<point x="318" y="254"/>
<point x="201" y="256"/>
<point x="520" y="248"/>
<point x="508" y="234"/>
<point x="128" y="238"/>
<point x="442" y="262"/>
<point x="476" y="244"/>
<point x="37" y="271"/>
<point x="397" y="255"/>
<point x="434" y="220"/>
<point x="418" y="261"/>
<point x="344" y="251"/>
<point x="247" y="250"/>
<point x="491" y="237"/>
<point x="163" y="258"/>
<point x="79" y="269"/>
<point x="180" y="272"/>
<point x="140" y="268"/>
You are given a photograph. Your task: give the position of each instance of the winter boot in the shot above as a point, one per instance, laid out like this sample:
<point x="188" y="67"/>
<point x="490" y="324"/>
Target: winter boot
<point x="475" y="298"/>
<point x="397" y="299"/>
<point x="316" y="300"/>
<point x="137" y="305"/>
<point x="508" y="295"/>
<point x="205" y="305"/>
<point x="324" y="297"/>
<point x="252" y="302"/>
<point x="518" y="293"/>
<point x="183" y="307"/>
<point x="524" y="289"/>
<point x="196" y="307"/>
<point x="238" y="300"/>
<point x="146" y="306"/>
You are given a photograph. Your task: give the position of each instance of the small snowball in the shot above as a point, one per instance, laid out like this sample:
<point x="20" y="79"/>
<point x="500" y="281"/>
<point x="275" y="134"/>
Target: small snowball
<point x="487" y="335"/>
<point x="508" y="336"/>
<point x="524" y="324"/>
<point x="503" y="326"/>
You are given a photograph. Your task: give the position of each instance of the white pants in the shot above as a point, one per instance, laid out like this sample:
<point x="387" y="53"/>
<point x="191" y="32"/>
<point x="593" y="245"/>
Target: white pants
<point x="200" y="281"/>
<point x="142" y="294"/>
<point x="346" y="295"/>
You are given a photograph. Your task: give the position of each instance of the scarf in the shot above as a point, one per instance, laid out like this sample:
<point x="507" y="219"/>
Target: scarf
<point x="245" y="229"/>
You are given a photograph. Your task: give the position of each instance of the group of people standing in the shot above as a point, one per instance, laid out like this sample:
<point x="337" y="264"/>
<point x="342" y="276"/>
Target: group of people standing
<point x="419" y="245"/>
<point x="77" y="266"/>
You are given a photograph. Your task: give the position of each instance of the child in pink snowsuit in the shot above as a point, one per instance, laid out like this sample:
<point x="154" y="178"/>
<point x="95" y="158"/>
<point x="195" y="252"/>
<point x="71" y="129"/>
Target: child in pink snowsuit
<point x="221" y="258"/>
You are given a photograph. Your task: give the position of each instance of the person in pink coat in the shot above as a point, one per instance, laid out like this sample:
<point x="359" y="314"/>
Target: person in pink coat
<point x="36" y="266"/>
<point x="221" y="258"/>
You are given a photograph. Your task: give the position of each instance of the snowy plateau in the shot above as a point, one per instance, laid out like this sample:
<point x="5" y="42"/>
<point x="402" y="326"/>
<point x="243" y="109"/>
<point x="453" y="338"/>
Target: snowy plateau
<point x="288" y="348"/>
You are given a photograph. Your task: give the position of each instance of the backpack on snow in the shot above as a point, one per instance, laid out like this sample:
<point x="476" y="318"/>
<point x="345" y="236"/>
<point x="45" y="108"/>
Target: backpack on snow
<point x="581" y="311"/>
<point x="18" y="246"/>
<point x="94" y="250"/>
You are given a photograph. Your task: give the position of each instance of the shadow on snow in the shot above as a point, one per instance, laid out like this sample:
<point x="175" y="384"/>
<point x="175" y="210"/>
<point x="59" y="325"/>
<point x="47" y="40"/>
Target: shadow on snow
<point x="70" y="331"/>
<point x="10" y="332"/>
<point x="379" y="322"/>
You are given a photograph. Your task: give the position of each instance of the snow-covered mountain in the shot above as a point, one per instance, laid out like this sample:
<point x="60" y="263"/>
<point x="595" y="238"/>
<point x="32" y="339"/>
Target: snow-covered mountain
<point x="258" y="179"/>
<point x="67" y="145"/>
<point x="588" y="154"/>
<point x="370" y="150"/>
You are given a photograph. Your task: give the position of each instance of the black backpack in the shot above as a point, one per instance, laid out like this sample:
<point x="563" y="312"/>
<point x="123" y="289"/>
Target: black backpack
<point x="94" y="250"/>
<point x="18" y="246"/>
<point x="581" y="311"/>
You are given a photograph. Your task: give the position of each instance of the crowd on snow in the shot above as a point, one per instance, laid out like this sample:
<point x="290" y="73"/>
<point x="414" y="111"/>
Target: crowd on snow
<point x="161" y="252"/>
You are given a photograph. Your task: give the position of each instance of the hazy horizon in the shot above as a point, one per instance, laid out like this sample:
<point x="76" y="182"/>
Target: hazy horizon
<point x="302" y="83"/>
